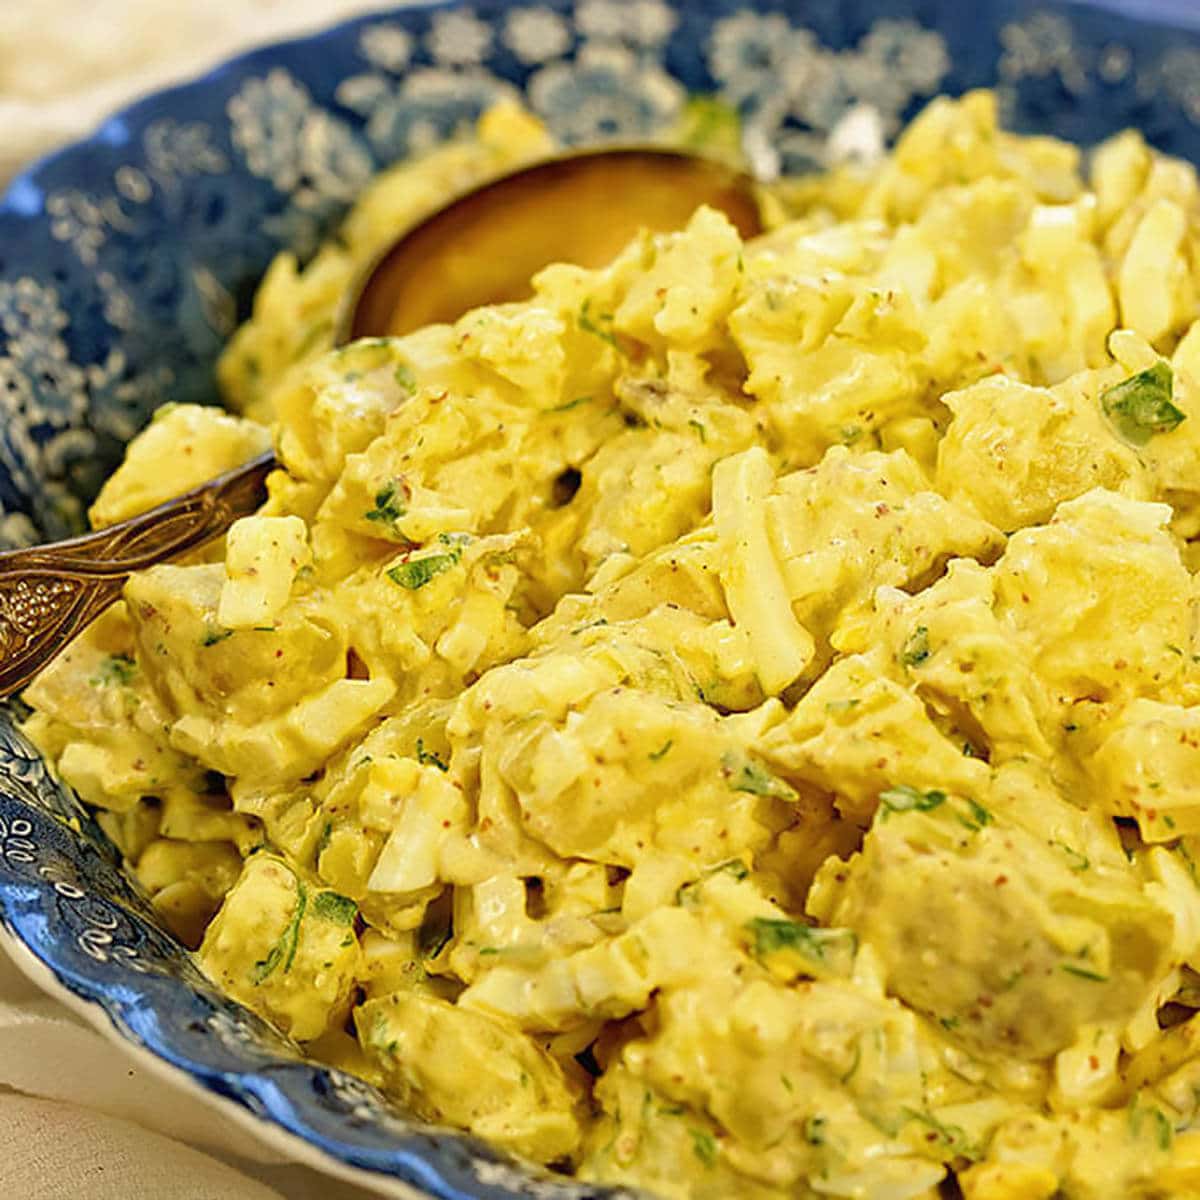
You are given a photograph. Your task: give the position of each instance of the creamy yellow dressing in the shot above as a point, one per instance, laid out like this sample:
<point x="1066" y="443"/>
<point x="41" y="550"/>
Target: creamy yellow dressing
<point x="730" y="724"/>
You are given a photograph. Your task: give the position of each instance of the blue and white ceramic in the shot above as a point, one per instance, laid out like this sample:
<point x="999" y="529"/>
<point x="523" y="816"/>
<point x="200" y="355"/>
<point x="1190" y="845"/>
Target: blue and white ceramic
<point x="127" y="259"/>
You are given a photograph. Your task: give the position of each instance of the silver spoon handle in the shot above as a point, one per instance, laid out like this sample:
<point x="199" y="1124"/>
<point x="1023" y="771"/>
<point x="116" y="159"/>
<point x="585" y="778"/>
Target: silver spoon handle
<point x="48" y="594"/>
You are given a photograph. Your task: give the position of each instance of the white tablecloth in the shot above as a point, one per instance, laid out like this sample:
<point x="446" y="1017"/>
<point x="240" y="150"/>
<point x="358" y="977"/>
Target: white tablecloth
<point x="79" y="1118"/>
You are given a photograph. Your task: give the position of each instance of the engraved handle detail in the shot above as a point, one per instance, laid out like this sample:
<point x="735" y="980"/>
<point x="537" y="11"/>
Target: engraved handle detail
<point x="48" y="594"/>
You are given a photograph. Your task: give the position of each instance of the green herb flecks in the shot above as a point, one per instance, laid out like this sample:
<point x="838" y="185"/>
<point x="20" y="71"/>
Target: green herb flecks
<point x="745" y="775"/>
<point x="701" y="431"/>
<point x="834" y="707"/>
<point x="1083" y="972"/>
<point x="662" y="752"/>
<point x="1011" y="980"/>
<point x="1189" y="861"/>
<point x="828" y="947"/>
<point x="815" y="1131"/>
<point x="1141" y="405"/>
<point x="733" y="867"/>
<point x="916" y="648"/>
<point x="215" y="634"/>
<point x="904" y="798"/>
<point x="428" y="758"/>
<point x="578" y="402"/>
<point x="437" y="928"/>
<point x="953" y="1138"/>
<point x="1076" y="860"/>
<point x="417" y="572"/>
<point x="284" y="950"/>
<point x="405" y="378"/>
<point x="335" y="907"/>
<point x="1164" y="1131"/>
<point x="855" y="1063"/>
<point x="323" y="840"/>
<point x="704" y="1145"/>
<point x="390" y="504"/>
<point x="117" y="670"/>
<point x="976" y="816"/>
<point x="599" y="325"/>
<point x="1160" y="1125"/>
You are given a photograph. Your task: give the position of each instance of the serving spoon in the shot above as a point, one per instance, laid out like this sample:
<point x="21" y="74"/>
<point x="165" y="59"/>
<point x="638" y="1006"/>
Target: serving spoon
<point x="482" y="248"/>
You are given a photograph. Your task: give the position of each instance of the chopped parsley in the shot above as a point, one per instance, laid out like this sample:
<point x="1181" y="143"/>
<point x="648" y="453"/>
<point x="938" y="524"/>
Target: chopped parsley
<point x="916" y="649"/>
<point x="215" y="634"/>
<point x="701" y="432"/>
<point x="323" y="840"/>
<point x="814" y="1131"/>
<point x="1163" y="1130"/>
<point x="953" y="1138"/>
<point x="389" y="504"/>
<point x="1083" y="972"/>
<point x="284" y="950"/>
<point x="661" y="753"/>
<point x="1141" y="405"/>
<point x="405" y="378"/>
<point x="774" y="934"/>
<point x="976" y="817"/>
<point x="705" y="1146"/>
<point x="1189" y="860"/>
<point x="417" y="572"/>
<point x="432" y="941"/>
<point x="335" y="907"/>
<point x="118" y="669"/>
<point x="570" y="404"/>
<point x="840" y="706"/>
<point x="599" y="325"/>
<point x="855" y="1063"/>
<point x="428" y="758"/>
<point x="1078" y="861"/>
<point x="904" y="798"/>
<point x="733" y="867"/>
<point x="748" y="776"/>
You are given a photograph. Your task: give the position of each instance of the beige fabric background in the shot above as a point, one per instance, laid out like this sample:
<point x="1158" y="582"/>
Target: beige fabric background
<point x="79" y="1118"/>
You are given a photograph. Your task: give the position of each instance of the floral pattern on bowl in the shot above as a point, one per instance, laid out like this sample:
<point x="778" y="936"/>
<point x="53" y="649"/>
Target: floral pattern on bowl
<point x="127" y="259"/>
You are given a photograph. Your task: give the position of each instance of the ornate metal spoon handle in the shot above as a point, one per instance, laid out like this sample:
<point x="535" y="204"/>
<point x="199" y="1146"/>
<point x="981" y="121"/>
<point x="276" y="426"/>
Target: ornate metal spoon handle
<point x="48" y="594"/>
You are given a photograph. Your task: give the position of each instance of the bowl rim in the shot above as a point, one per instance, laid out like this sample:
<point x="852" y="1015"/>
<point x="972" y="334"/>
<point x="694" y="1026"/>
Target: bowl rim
<point x="291" y="1146"/>
<point x="1166" y="14"/>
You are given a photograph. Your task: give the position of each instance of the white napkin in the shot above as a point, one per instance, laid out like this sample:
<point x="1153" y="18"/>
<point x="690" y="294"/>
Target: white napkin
<point x="80" y="1119"/>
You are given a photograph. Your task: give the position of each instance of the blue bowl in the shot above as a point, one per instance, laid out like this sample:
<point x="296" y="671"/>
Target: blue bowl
<point x="128" y="258"/>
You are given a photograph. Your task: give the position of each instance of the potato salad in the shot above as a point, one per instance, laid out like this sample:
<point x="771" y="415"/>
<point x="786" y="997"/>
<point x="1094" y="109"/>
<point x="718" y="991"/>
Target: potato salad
<point x="728" y="725"/>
